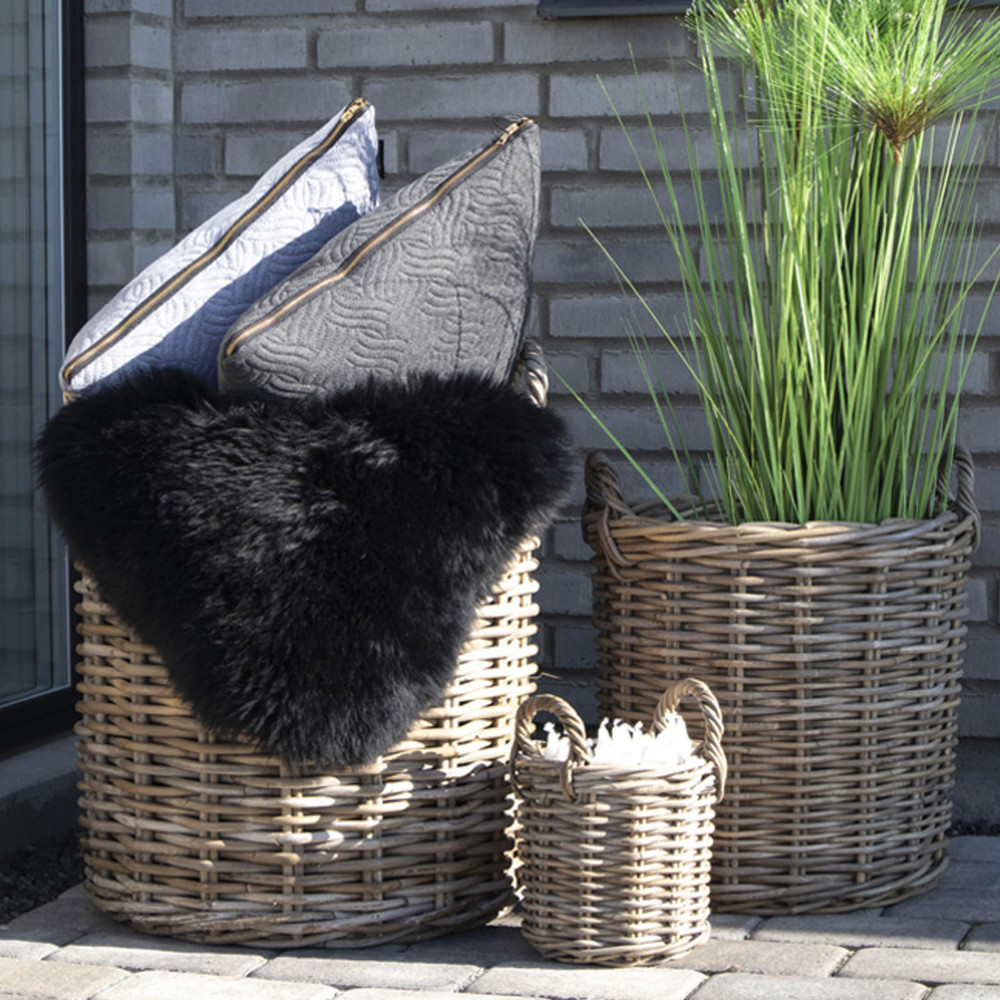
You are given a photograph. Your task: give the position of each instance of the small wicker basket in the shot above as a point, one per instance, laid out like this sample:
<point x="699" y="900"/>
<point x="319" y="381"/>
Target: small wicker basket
<point x="613" y="864"/>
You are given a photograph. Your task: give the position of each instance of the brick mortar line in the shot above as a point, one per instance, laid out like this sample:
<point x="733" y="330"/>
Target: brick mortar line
<point x="851" y="952"/>
<point x="973" y="924"/>
<point x="473" y="978"/>
<point x="251" y="973"/>
<point x="130" y="18"/>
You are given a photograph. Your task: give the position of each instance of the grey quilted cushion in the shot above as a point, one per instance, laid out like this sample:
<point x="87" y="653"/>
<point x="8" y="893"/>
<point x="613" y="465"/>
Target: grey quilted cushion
<point x="178" y="309"/>
<point x="435" y="279"/>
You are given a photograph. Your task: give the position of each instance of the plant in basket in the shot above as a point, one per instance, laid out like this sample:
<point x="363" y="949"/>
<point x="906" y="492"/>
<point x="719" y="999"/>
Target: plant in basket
<point x="814" y="576"/>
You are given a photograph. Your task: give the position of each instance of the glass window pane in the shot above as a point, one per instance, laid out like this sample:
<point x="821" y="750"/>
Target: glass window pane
<point x="33" y="647"/>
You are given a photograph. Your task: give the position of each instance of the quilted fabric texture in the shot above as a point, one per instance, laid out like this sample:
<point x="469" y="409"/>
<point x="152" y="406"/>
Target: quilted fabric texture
<point x="435" y="279"/>
<point x="177" y="310"/>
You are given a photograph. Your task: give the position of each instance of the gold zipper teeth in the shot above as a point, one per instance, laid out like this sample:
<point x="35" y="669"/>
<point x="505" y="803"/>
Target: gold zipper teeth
<point x="356" y="107"/>
<point x="356" y="256"/>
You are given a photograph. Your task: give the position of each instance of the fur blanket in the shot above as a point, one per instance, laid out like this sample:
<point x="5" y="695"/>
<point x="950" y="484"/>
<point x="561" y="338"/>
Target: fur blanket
<point x="308" y="570"/>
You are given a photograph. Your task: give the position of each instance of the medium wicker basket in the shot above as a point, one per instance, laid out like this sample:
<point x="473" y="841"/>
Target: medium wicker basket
<point x="835" y="653"/>
<point x="614" y="863"/>
<point x="212" y="841"/>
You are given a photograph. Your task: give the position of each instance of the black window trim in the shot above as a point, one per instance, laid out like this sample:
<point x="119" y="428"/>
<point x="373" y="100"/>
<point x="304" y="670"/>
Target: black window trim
<point x="550" y="9"/>
<point x="609" y="8"/>
<point x="45" y="715"/>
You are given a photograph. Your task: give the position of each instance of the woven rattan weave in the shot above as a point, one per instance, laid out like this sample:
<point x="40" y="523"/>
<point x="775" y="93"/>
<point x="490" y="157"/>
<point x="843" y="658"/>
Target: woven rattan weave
<point x="835" y="653"/>
<point x="213" y="841"/>
<point x="614" y="863"/>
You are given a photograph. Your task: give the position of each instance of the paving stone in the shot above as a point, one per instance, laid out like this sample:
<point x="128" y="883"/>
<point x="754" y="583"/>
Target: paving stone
<point x="483" y="946"/>
<point x="764" y="957"/>
<point x="733" y="926"/>
<point x="391" y="972"/>
<point x="58" y="923"/>
<point x="131" y="950"/>
<point x="49" y="979"/>
<point x="553" y="980"/>
<point x="737" y="986"/>
<point x="5" y="995"/>
<point x="974" y="849"/>
<point x="375" y="953"/>
<point x="970" y="875"/>
<point x="376" y="994"/>
<point x="187" y="986"/>
<point x="924" y="966"/>
<point x="861" y="930"/>
<point x="17" y="948"/>
<point x="986" y="937"/>
<point x="951" y="904"/>
<point x="963" y="991"/>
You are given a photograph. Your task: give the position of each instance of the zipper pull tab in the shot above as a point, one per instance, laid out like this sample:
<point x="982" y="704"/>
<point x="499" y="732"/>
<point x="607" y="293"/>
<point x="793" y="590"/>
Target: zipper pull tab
<point x="512" y="129"/>
<point x="352" y="109"/>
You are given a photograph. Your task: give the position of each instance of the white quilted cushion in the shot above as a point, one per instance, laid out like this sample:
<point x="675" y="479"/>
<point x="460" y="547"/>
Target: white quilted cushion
<point x="177" y="310"/>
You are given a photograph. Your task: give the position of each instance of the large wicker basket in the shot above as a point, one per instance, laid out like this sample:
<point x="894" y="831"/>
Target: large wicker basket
<point x="614" y="863"/>
<point x="835" y="653"/>
<point x="213" y="841"/>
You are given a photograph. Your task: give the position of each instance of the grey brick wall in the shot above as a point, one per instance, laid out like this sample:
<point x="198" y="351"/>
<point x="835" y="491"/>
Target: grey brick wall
<point x="189" y="100"/>
<point x="129" y="101"/>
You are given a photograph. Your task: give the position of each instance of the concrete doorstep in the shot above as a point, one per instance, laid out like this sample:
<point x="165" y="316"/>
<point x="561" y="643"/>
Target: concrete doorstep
<point x="38" y="795"/>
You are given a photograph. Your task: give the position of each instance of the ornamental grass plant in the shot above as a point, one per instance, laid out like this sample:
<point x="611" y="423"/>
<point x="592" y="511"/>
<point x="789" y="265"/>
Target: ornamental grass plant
<point x="827" y="303"/>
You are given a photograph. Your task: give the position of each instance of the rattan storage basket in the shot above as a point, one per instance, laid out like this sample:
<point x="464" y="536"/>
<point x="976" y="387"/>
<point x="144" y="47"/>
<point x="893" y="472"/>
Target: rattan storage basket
<point x="213" y="841"/>
<point x="835" y="653"/>
<point x="614" y="863"/>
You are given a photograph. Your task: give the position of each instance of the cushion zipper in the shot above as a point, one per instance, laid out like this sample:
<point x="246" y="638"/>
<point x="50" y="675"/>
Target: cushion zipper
<point x="168" y="288"/>
<point x="376" y="239"/>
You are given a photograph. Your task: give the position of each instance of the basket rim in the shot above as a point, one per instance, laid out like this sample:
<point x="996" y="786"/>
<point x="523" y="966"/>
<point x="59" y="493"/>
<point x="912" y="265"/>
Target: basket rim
<point x="622" y="772"/>
<point x="605" y="502"/>
<point x="646" y="513"/>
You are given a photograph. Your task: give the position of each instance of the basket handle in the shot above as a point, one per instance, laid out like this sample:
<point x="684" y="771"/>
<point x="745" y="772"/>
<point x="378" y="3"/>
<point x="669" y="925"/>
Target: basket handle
<point x="604" y="495"/>
<point x="573" y="728"/>
<point x="711" y="747"/>
<point x="965" y="493"/>
<point x="603" y="487"/>
<point x="532" y="374"/>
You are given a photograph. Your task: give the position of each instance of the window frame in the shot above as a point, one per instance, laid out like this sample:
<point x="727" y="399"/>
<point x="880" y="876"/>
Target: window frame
<point x="40" y="716"/>
<point x="553" y="9"/>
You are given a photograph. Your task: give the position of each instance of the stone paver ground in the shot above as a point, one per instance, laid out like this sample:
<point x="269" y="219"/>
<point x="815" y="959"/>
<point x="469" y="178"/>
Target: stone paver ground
<point x="943" y="945"/>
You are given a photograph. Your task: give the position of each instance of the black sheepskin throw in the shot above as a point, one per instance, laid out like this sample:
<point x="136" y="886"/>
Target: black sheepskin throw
<point x="308" y="570"/>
